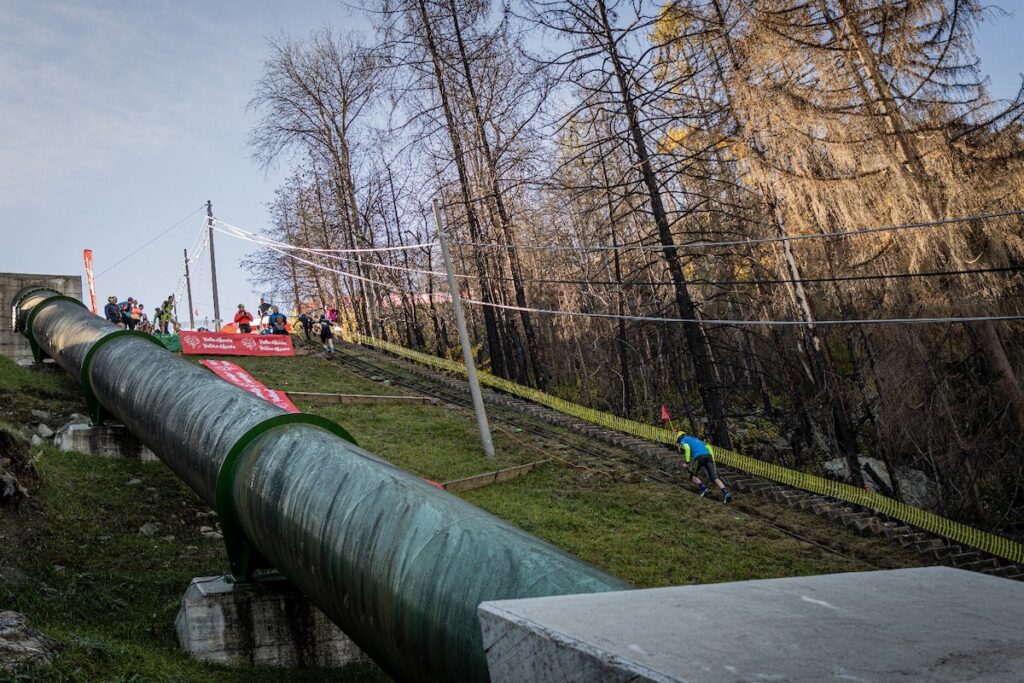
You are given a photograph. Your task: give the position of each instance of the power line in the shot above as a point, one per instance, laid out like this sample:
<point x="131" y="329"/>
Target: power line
<point x="747" y="242"/>
<point x="642" y="318"/>
<point x="158" y="236"/>
<point x="325" y="253"/>
<point x="663" y="283"/>
<point x="194" y="253"/>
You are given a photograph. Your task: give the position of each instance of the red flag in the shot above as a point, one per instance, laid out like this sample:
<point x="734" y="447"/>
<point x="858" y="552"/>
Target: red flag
<point x="665" y="417"/>
<point x="87" y="253"/>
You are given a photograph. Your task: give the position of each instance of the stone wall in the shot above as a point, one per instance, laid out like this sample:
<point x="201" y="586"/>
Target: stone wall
<point x="15" y="346"/>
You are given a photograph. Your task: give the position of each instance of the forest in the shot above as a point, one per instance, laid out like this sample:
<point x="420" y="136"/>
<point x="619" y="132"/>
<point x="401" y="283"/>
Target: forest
<point x="798" y="224"/>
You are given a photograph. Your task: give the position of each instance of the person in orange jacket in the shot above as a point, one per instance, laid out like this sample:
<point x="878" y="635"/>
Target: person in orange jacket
<point x="243" y="319"/>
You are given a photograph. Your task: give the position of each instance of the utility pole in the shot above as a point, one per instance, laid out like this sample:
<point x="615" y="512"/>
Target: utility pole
<point x="213" y="267"/>
<point x="467" y="350"/>
<point x="188" y="288"/>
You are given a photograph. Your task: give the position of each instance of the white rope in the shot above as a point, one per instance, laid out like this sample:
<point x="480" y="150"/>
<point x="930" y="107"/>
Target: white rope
<point x="316" y="265"/>
<point x="733" y="243"/>
<point x="705" y="321"/>
<point x="266" y="241"/>
<point x="285" y="245"/>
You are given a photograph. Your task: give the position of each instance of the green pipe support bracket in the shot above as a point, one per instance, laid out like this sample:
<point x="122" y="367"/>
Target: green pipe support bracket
<point x="37" y="352"/>
<point x="96" y="410"/>
<point x="245" y="560"/>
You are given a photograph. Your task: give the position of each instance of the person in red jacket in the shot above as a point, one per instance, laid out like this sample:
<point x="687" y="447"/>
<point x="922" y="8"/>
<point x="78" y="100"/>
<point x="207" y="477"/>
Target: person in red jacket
<point x="243" y="319"/>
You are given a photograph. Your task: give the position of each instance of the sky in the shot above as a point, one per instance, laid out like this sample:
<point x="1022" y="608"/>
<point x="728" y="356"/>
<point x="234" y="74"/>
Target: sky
<point x="118" y="119"/>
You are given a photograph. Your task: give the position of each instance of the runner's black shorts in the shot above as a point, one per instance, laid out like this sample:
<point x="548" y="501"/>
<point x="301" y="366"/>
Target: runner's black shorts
<point x="706" y="463"/>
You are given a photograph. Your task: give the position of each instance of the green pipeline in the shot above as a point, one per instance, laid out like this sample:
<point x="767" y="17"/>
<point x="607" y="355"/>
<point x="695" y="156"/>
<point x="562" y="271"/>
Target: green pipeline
<point x="398" y="564"/>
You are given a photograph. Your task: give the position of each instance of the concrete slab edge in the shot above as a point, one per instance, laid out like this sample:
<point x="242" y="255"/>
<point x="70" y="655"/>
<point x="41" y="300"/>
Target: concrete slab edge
<point x="598" y="664"/>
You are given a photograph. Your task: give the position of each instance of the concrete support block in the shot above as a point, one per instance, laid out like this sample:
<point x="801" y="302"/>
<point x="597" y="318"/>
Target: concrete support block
<point x="15" y="345"/>
<point x="109" y="440"/>
<point x="928" y="624"/>
<point x="265" y="623"/>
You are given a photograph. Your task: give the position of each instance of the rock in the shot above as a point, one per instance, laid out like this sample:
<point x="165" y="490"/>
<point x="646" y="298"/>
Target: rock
<point x="40" y="414"/>
<point x="915" y="487"/>
<point x="21" y="645"/>
<point x="11" y="490"/>
<point x="148" y="529"/>
<point x="213" y="534"/>
<point x="836" y="467"/>
<point x="44" y="431"/>
<point x="133" y="482"/>
<point x="36" y="440"/>
<point x="386" y="383"/>
<point x="376" y="378"/>
<point x="17" y="470"/>
<point x="205" y="529"/>
<point x="170" y="538"/>
<point x="59" y="568"/>
<point x="11" y="576"/>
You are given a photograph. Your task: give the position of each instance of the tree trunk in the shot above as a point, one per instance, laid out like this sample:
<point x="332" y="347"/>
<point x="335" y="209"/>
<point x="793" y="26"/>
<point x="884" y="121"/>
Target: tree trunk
<point x="718" y="428"/>
<point x="490" y="321"/>
<point x="498" y="201"/>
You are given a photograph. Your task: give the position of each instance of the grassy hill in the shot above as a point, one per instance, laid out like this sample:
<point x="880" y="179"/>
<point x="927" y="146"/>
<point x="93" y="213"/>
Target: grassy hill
<point x="74" y="561"/>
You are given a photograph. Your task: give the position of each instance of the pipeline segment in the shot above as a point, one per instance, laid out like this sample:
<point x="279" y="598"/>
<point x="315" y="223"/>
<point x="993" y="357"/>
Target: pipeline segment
<point x="399" y="565"/>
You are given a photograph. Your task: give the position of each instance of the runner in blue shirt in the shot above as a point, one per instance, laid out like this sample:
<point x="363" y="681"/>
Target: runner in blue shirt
<point x="700" y="455"/>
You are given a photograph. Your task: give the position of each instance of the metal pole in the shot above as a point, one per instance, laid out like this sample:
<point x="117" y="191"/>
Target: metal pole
<point x="213" y="267"/>
<point x="467" y="350"/>
<point x="188" y="288"/>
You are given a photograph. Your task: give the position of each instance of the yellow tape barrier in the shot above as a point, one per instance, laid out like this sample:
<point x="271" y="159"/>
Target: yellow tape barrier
<point x="961" y="533"/>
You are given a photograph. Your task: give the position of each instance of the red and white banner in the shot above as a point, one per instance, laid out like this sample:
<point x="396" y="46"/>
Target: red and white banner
<point x="242" y="379"/>
<point x="222" y="344"/>
<point x="87" y="254"/>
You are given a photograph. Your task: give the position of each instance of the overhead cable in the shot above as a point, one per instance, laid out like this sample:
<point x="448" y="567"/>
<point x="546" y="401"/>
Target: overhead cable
<point x="643" y="318"/>
<point x="268" y="242"/>
<point x="746" y="242"/>
<point x="311" y="263"/>
<point x="663" y="283"/>
<point x="154" y="239"/>
<point x="362" y="250"/>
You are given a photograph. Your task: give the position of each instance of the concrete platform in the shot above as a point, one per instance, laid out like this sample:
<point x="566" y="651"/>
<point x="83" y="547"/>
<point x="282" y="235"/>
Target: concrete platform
<point x="15" y="345"/>
<point x="929" y="624"/>
<point x="266" y="624"/>
<point x="108" y="440"/>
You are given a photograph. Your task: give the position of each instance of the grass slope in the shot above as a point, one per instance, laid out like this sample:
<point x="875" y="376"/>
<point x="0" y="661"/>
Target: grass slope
<point x="74" y="562"/>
